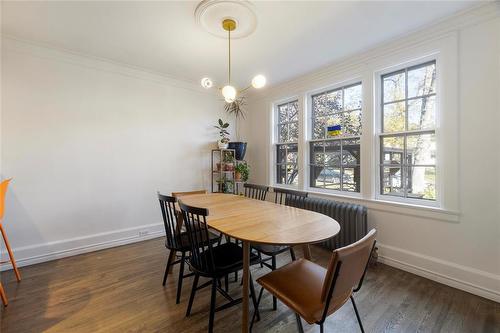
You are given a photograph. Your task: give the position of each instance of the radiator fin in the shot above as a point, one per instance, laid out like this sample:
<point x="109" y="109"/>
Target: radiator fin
<point x="351" y="217"/>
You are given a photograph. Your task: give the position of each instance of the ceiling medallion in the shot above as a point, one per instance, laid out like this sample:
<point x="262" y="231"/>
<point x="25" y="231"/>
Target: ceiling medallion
<point x="210" y="13"/>
<point x="228" y="15"/>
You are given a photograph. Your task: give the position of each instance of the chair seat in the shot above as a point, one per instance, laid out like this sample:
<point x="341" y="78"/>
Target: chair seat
<point x="228" y="257"/>
<point x="299" y="285"/>
<point x="185" y="244"/>
<point x="270" y="250"/>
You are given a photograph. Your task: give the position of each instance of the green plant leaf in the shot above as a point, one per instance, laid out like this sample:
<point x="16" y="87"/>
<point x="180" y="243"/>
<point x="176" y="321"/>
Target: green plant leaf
<point x="220" y="122"/>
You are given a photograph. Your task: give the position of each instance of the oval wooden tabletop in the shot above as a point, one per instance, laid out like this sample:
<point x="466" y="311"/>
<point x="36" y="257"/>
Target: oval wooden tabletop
<point x="262" y="221"/>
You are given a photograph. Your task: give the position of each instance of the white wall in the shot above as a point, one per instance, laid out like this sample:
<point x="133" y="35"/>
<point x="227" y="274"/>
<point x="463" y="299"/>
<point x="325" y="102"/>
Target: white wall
<point x="460" y="244"/>
<point x="88" y="143"/>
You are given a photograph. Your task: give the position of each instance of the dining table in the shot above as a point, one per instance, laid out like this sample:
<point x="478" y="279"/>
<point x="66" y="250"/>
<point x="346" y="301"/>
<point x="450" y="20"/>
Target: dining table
<point x="262" y="222"/>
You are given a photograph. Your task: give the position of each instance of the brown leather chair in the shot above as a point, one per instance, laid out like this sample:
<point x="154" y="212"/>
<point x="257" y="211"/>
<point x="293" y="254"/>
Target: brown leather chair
<point x="314" y="292"/>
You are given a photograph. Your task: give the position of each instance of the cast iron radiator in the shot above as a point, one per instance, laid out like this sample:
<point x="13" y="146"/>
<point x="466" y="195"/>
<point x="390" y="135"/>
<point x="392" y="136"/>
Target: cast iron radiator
<point x="351" y="217"/>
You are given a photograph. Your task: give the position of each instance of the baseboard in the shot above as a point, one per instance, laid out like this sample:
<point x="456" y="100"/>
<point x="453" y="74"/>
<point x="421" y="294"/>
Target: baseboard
<point x="39" y="253"/>
<point x="468" y="279"/>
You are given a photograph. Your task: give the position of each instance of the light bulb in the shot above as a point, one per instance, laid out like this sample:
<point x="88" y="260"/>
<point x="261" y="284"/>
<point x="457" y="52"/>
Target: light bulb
<point x="259" y="81"/>
<point x="206" y="83"/>
<point x="229" y="93"/>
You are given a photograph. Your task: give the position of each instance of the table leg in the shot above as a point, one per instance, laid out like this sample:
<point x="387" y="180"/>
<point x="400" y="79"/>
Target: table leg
<point x="246" y="276"/>
<point x="307" y="252"/>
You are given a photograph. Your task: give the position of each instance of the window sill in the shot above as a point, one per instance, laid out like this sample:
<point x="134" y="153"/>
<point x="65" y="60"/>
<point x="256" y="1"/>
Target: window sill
<point x="406" y="209"/>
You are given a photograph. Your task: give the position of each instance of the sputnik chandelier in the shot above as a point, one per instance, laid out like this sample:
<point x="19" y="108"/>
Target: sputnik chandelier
<point x="229" y="92"/>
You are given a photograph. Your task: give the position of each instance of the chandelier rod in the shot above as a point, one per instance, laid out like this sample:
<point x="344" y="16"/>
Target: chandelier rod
<point x="229" y="71"/>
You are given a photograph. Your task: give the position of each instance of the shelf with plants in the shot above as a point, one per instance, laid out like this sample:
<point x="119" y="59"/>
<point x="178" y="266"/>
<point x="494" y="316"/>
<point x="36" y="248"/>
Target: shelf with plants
<point x="229" y="170"/>
<point x="223" y="170"/>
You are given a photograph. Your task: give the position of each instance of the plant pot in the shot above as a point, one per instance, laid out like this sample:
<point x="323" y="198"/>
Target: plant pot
<point x="222" y="145"/>
<point x="240" y="149"/>
<point x="229" y="167"/>
<point x="218" y="166"/>
<point x="237" y="176"/>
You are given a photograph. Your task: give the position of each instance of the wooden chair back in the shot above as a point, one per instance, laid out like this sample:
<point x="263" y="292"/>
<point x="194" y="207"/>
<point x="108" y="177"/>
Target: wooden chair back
<point x="3" y="190"/>
<point x="258" y="192"/>
<point x="181" y="194"/>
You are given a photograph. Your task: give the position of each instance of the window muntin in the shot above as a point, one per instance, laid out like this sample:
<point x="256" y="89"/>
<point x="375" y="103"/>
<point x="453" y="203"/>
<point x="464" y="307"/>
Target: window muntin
<point x="287" y="129"/>
<point x="408" y="139"/>
<point x="334" y="162"/>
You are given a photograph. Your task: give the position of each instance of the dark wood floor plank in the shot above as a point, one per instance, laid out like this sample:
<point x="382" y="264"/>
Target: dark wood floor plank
<point x="119" y="290"/>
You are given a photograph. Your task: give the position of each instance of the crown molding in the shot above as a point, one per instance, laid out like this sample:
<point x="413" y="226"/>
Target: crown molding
<point x="438" y="30"/>
<point x="51" y="52"/>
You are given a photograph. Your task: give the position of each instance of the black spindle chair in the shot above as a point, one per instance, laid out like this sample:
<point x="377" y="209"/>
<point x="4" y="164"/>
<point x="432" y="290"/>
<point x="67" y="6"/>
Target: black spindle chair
<point x="289" y="197"/>
<point x="210" y="261"/>
<point x="258" y="192"/>
<point x="176" y="240"/>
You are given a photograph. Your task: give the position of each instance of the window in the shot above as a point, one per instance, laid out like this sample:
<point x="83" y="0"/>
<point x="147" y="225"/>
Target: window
<point x="334" y="161"/>
<point x="408" y="138"/>
<point x="287" y="131"/>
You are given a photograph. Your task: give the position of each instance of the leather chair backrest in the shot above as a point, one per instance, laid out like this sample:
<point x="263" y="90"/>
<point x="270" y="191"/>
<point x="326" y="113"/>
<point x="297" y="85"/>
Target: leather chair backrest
<point x="350" y="263"/>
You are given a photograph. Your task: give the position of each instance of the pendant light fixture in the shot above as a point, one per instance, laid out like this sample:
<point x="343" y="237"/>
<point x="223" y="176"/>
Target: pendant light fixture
<point x="229" y="92"/>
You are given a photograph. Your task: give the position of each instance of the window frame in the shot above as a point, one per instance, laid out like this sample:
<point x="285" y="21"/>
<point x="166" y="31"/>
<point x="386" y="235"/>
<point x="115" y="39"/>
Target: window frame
<point x="379" y="134"/>
<point x="308" y="139"/>
<point x="276" y="143"/>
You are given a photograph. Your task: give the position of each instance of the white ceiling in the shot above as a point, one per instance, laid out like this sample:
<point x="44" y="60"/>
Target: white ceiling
<point x="291" y="38"/>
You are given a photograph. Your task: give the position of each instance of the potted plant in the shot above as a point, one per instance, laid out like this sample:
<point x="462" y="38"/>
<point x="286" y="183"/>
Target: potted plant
<point x="242" y="171"/>
<point x="236" y="108"/>
<point x="228" y="186"/>
<point x="223" y="133"/>
<point x="228" y="159"/>
<point x="221" y="184"/>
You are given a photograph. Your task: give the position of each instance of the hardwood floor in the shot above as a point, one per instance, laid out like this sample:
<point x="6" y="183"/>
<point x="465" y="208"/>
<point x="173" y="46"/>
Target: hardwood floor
<point x="119" y="290"/>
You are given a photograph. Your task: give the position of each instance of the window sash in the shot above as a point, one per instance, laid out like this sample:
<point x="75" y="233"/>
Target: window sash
<point x="341" y="165"/>
<point x="406" y="99"/>
<point x="286" y="163"/>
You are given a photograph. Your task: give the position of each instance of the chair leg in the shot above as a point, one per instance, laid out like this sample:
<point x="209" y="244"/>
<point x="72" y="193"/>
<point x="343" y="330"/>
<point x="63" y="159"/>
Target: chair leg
<point x="212" y="306"/>
<point x="235" y="276"/>
<point x="181" y="275"/>
<point x="193" y="292"/>
<point x="3" y="295"/>
<point x="255" y="310"/>
<point x="357" y="315"/>
<point x="226" y="282"/>
<point x="275" y="301"/>
<point x="299" y="323"/>
<point x="321" y="328"/>
<point x="292" y="253"/>
<point x="11" y="255"/>
<point x="260" y="259"/>
<point x="167" y="269"/>
<point x="254" y="299"/>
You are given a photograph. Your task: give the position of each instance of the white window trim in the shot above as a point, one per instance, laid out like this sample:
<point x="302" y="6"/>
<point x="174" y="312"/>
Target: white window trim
<point x="274" y="142"/>
<point x="378" y="131"/>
